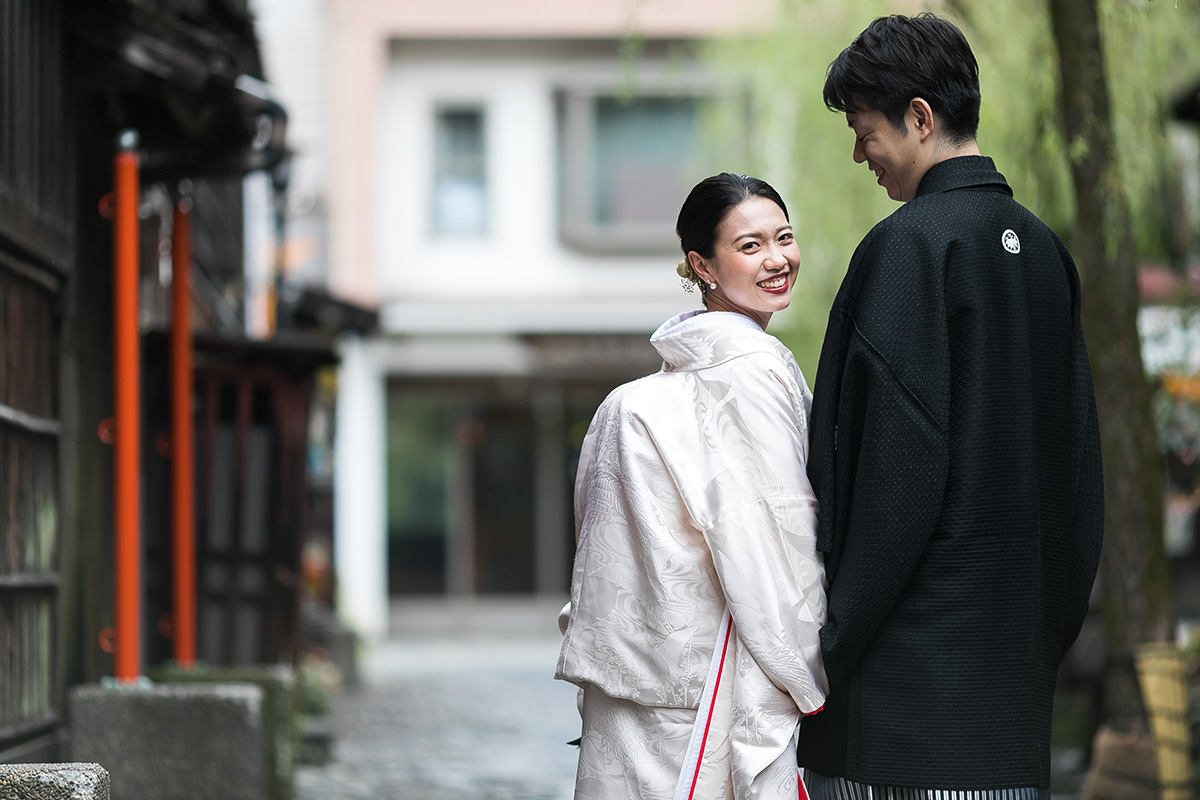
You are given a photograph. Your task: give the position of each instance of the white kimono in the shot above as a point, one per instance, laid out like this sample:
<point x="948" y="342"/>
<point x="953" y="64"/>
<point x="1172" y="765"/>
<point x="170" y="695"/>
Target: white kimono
<point x="692" y="495"/>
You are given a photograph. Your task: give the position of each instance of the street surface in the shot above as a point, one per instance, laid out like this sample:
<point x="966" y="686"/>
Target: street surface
<point x="459" y="704"/>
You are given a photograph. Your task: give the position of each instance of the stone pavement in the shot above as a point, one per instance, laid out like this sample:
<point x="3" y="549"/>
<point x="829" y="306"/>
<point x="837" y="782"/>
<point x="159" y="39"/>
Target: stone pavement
<point x="459" y="704"/>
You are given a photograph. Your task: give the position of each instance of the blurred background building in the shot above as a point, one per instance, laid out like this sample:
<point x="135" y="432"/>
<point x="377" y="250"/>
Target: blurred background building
<point x="500" y="180"/>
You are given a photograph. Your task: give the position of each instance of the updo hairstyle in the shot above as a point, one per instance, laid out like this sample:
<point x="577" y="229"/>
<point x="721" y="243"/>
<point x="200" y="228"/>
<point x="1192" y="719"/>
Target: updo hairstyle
<point x="703" y="211"/>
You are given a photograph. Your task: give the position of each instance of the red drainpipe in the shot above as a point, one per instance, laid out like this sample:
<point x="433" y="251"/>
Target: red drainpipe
<point x="183" y="510"/>
<point x="126" y="379"/>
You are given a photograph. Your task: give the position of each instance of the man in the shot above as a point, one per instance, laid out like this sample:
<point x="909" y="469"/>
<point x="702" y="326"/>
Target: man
<point x="955" y="451"/>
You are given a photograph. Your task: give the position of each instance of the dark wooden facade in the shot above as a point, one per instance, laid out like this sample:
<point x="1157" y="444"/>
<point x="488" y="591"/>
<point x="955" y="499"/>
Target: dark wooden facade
<point x="252" y="401"/>
<point x="73" y="74"/>
<point x="36" y="234"/>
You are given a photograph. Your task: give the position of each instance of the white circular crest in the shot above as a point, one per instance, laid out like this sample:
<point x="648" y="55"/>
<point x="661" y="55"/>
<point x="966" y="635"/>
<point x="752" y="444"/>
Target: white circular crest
<point x="1010" y="241"/>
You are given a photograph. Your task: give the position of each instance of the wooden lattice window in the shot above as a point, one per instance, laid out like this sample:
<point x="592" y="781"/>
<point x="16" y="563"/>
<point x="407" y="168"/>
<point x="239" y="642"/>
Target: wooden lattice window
<point x="36" y="144"/>
<point x="37" y="179"/>
<point x="29" y="519"/>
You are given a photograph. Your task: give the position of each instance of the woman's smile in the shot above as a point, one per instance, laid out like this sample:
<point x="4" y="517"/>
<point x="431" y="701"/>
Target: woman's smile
<point x="776" y="284"/>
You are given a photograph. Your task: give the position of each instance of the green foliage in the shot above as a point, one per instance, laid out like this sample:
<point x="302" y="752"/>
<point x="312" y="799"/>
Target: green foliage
<point x="803" y="150"/>
<point x="1019" y="116"/>
<point x="791" y="140"/>
<point x="320" y="682"/>
<point x="1152" y="55"/>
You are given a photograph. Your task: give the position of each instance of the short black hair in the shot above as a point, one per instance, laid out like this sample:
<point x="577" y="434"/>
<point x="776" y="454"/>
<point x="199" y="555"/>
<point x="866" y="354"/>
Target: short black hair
<point x="898" y="58"/>
<point x="708" y="203"/>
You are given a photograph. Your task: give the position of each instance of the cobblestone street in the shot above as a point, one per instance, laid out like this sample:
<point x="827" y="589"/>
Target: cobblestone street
<point x="458" y="704"/>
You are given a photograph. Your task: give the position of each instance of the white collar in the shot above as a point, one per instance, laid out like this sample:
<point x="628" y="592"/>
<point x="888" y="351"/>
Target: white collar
<point x="697" y="339"/>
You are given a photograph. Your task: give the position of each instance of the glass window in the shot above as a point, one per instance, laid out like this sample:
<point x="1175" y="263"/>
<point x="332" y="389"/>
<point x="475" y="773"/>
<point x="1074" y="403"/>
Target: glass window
<point x="640" y="158"/>
<point x="626" y="166"/>
<point x="460" y="179"/>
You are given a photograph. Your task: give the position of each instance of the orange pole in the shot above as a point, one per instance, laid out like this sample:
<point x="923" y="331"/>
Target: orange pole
<point x="126" y="378"/>
<point x="183" y="509"/>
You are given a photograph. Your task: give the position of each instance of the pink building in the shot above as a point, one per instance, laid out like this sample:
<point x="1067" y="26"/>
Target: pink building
<point x="499" y="179"/>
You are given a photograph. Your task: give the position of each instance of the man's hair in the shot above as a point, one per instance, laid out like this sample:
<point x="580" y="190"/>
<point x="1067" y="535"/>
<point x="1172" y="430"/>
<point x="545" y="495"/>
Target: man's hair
<point x="898" y="58"/>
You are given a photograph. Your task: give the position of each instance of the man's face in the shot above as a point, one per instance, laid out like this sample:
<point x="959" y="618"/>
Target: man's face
<point x="894" y="155"/>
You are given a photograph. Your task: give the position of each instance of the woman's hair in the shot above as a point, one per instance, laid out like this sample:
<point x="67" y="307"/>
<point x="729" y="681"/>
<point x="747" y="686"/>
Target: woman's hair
<point x="706" y="206"/>
<point x="898" y="58"/>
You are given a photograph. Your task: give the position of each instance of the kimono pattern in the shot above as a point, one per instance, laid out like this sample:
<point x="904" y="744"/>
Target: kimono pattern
<point x="692" y="495"/>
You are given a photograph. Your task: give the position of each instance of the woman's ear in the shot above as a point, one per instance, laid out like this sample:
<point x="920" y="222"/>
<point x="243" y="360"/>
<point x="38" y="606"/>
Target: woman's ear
<point x="700" y="266"/>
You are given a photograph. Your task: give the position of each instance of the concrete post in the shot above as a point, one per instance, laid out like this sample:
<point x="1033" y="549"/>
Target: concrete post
<point x="54" y="781"/>
<point x="172" y="742"/>
<point x="280" y="732"/>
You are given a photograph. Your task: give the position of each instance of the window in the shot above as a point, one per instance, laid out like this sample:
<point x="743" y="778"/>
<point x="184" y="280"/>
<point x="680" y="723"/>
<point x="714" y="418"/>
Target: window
<point x="627" y="166"/>
<point x="29" y="506"/>
<point x="459" y="180"/>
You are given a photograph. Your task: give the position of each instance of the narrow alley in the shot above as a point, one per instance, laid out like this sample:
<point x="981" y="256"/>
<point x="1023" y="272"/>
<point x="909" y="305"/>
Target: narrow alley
<point x="458" y="704"/>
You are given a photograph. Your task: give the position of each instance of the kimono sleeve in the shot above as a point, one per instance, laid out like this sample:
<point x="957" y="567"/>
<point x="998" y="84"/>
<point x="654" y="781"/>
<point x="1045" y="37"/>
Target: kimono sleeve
<point x="892" y="454"/>
<point x="762" y="536"/>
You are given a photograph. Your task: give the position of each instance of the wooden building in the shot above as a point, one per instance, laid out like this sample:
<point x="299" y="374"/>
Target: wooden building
<point x="187" y="77"/>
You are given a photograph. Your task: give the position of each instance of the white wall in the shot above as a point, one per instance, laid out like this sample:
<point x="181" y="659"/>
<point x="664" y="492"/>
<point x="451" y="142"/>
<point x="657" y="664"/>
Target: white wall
<point x="295" y="55"/>
<point x="359" y="494"/>
<point x="519" y="276"/>
<point x="292" y="33"/>
<point x="258" y="251"/>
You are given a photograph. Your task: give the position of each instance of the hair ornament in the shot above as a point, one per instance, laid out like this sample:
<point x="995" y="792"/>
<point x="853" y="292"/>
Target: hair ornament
<point x="688" y="276"/>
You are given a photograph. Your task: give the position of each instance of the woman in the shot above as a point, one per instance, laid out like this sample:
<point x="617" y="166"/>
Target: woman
<point x="692" y="500"/>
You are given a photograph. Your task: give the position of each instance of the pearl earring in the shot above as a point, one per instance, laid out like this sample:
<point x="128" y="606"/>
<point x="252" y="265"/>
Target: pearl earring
<point x="712" y="285"/>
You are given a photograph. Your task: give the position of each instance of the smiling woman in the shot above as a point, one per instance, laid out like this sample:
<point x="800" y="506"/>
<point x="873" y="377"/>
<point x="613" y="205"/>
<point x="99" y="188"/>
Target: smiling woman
<point x="692" y="481"/>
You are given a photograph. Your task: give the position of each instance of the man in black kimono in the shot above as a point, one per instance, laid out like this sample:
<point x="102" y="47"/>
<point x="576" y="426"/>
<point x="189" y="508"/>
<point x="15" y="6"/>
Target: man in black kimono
<point x="955" y="451"/>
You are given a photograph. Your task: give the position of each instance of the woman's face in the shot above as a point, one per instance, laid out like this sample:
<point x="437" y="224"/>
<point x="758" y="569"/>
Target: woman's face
<point x="754" y="261"/>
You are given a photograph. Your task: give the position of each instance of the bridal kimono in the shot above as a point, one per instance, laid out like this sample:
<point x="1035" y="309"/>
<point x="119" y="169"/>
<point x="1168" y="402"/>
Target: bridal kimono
<point x="691" y="498"/>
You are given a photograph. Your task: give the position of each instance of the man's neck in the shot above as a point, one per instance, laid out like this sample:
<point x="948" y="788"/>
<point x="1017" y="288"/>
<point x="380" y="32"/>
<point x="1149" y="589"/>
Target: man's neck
<point x="946" y="149"/>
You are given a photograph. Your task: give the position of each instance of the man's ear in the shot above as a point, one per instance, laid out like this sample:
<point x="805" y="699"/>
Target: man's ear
<point x="923" y="120"/>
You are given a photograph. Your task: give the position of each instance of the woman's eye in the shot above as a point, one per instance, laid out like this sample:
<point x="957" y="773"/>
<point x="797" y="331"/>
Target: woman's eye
<point x="748" y="246"/>
<point x="787" y="237"/>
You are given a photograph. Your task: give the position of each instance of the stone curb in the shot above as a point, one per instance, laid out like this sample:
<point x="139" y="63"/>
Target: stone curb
<point x="74" y="781"/>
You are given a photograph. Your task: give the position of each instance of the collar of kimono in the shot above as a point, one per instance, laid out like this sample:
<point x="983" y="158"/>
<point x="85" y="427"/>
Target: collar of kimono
<point x="963" y="172"/>
<point x="698" y="339"/>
